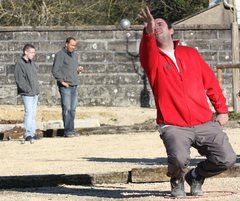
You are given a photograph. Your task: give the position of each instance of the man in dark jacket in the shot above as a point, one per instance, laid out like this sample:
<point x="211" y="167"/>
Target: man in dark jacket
<point x="65" y="70"/>
<point x="28" y="87"/>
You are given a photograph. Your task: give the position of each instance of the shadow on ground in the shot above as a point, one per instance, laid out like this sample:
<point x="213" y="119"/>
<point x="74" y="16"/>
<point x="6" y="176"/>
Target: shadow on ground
<point x="145" y="161"/>
<point x="92" y="191"/>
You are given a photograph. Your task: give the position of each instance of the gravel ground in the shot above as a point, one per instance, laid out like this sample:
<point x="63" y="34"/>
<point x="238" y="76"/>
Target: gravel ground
<point x="105" y="115"/>
<point x="226" y="189"/>
<point x="89" y="154"/>
<point x="102" y="154"/>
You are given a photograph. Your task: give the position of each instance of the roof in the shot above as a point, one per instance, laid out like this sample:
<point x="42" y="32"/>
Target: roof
<point x="216" y="14"/>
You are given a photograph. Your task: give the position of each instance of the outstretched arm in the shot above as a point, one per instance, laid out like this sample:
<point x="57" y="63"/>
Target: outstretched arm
<point x="149" y="23"/>
<point x="148" y="51"/>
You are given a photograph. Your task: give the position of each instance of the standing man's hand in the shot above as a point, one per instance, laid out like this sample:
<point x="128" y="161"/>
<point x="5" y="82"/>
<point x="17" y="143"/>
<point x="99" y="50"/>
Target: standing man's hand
<point x="65" y="84"/>
<point x="149" y="23"/>
<point x="80" y="69"/>
<point x="222" y="119"/>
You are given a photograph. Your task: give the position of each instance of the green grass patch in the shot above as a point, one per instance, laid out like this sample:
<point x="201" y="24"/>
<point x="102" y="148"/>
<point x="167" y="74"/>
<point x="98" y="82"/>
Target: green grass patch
<point x="234" y="116"/>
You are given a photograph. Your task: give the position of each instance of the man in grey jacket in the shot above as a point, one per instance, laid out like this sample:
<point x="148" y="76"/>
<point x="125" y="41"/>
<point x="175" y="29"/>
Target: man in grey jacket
<point x="65" y="70"/>
<point x="28" y="87"/>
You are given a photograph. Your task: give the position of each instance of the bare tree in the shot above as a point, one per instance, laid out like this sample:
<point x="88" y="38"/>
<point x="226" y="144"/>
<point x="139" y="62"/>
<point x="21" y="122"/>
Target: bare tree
<point x="88" y="12"/>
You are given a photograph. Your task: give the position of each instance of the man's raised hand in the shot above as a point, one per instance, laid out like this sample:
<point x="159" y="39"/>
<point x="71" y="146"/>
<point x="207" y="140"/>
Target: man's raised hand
<point x="149" y="23"/>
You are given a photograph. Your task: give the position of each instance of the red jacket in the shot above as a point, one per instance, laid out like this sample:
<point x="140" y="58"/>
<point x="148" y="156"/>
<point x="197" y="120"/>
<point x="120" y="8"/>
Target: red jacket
<point x="181" y="97"/>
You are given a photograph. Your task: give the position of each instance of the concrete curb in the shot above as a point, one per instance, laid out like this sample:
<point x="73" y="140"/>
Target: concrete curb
<point x="136" y="175"/>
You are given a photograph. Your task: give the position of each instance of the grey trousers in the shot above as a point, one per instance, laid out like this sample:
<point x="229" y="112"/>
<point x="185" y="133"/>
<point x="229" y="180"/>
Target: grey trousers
<point x="210" y="141"/>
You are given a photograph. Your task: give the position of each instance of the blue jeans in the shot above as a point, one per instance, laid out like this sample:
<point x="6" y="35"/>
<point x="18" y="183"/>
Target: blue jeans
<point x="30" y="109"/>
<point x="69" y="104"/>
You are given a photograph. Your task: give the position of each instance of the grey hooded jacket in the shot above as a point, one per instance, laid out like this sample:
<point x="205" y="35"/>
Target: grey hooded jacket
<point x="25" y="74"/>
<point x="65" y="67"/>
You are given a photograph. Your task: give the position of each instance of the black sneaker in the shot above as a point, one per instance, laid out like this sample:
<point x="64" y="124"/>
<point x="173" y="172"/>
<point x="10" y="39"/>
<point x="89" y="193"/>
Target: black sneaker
<point x="177" y="187"/>
<point x="195" y="184"/>
<point x="30" y="139"/>
<point x="69" y="135"/>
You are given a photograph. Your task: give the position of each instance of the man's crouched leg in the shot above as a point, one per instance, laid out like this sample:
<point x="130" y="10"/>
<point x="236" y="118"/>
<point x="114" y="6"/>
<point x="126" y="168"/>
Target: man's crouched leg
<point x="195" y="182"/>
<point x="177" y="187"/>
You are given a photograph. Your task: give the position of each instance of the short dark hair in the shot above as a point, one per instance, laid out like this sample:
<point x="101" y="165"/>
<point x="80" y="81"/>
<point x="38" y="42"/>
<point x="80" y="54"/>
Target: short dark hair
<point x="156" y="14"/>
<point x="69" y="39"/>
<point x="27" y="46"/>
<point x="169" y="24"/>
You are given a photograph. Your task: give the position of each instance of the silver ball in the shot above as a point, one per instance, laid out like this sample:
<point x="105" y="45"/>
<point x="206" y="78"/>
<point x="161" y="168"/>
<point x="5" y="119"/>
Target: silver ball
<point x="125" y="24"/>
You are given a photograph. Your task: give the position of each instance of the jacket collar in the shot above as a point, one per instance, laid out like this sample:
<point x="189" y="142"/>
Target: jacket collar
<point x="69" y="53"/>
<point x="26" y="61"/>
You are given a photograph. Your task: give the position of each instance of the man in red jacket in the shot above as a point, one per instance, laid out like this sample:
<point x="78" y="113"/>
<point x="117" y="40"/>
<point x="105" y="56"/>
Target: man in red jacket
<point x="181" y="82"/>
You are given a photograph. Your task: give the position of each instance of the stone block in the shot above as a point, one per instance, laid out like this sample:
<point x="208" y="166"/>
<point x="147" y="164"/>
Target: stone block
<point x="112" y="95"/>
<point x="6" y="57"/>
<point x="16" y="56"/>
<point x="3" y="46"/>
<point x="131" y="34"/>
<point x="200" y="45"/>
<point x="123" y="57"/>
<point x="141" y="175"/>
<point x="10" y="80"/>
<point x="30" y="36"/>
<point x="43" y="58"/>
<point x="18" y="46"/>
<point x="120" y="46"/>
<point x="121" y="68"/>
<point x="224" y="34"/>
<point x="10" y="69"/>
<point x="95" y="34"/>
<point x="8" y="92"/>
<point x="87" y="123"/>
<point x="45" y="69"/>
<point x="2" y="70"/>
<point x="219" y="44"/>
<point x="61" y="35"/>
<point x="111" y="79"/>
<point x="225" y="56"/>
<point x="93" y="68"/>
<point x="6" y="36"/>
<point x="209" y="55"/>
<point x="178" y="35"/>
<point x="51" y="46"/>
<point x="46" y="79"/>
<point x="200" y="34"/>
<point x="111" y="178"/>
<point x="91" y="46"/>
<point x="96" y="57"/>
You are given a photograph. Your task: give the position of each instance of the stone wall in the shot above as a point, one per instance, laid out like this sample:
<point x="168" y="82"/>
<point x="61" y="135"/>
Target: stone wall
<point x="109" y="78"/>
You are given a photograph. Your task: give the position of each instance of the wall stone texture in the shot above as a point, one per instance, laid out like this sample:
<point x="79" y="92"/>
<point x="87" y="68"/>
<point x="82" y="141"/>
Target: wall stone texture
<point x="111" y="76"/>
